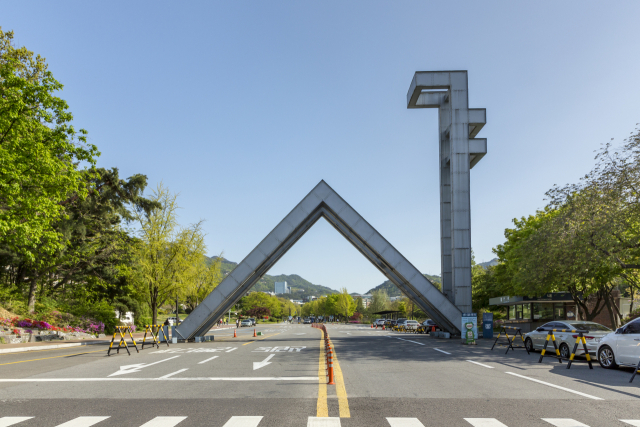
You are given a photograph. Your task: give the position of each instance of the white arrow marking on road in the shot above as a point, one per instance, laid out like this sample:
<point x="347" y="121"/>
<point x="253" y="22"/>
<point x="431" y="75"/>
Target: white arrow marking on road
<point x="265" y="362"/>
<point x="136" y="368"/>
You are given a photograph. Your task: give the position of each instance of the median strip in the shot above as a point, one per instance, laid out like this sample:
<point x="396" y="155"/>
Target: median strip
<point x="322" y="408"/>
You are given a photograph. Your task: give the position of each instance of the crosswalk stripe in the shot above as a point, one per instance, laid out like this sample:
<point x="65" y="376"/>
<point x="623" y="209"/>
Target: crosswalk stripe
<point x="164" y="422"/>
<point x="243" y="422"/>
<point x="634" y="423"/>
<point x="564" y="422"/>
<point x="83" y="422"/>
<point x="9" y="421"/>
<point x="404" y="422"/>
<point x="484" y="422"/>
<point x="323" y="422"/>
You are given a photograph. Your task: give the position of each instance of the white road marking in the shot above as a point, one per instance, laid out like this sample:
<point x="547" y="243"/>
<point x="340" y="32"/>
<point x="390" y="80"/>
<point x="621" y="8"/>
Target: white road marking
<point x="173" y="373"/>
<point x="265" y="362"/>
<point x="445" y="352"/>
<point x="9" y="421"/>
<point x="206" y="360"/>
<point x="164" y="422"/>
<point x="55" y="380"/>
<point x="415" y="342"/>
<point x="484" y="422"/>
<point x="481" y="364"/>
<point x="301" y="333"/>
<point x="243" y="422"/>
<point x="83" y="422"/>
<point x="323" y="422"/>
<point x="555" y="386"/>
<point x="136" y="368"/>
<point x="634" y="423"/>
<point x="564" y="422"/>
<point x="404" y="422"/>
<point x="229" y="351"/>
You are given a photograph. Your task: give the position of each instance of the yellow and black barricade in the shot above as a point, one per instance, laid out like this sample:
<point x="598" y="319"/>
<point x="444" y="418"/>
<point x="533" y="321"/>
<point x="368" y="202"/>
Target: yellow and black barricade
<point x="155" y="337"/>
<point x="635" y="372"/>
<point x="122" y="330"/>
<point x="517" y="333"/>
<point x="579" y="340"/>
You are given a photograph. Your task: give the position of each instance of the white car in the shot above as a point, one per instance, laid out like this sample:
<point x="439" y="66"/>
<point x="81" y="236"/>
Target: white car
<point x="409" y="324"/>
<point x="379" y="322"/>
<point x="565" y="341"/>
<point x="621" y="348"/>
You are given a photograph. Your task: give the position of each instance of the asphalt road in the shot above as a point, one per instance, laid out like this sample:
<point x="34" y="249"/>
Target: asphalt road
<point x="382" y="379"/>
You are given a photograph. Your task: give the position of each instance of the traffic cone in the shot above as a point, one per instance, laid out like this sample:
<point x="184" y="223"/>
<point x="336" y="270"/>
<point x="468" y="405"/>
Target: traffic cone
<point x="372" y="326"/>
<point x="234" y="334"/>
<point x="254" y="333"/>
<point x="383" y="327"/>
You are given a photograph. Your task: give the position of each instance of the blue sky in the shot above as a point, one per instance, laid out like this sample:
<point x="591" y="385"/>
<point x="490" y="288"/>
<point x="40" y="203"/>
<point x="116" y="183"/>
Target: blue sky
<point x="243" y="107"/>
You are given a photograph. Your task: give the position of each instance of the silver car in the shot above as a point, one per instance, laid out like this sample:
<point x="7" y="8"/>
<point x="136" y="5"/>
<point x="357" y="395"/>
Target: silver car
<point x="409" y="324"/>
<point x="566" y="340"/>
<point x="621" y="348"/>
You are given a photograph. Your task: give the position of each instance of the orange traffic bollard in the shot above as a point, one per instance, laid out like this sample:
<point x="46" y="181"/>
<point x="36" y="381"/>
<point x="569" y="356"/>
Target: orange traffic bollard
<point x="372" y="326"/>
<point x="234" y="334"/>
<point x="254" y="333"/>
<point x="330" y="367"/>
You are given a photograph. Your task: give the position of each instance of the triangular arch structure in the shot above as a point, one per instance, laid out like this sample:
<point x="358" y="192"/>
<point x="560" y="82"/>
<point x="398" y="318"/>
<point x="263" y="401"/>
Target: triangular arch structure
<point x="322" y="201"/>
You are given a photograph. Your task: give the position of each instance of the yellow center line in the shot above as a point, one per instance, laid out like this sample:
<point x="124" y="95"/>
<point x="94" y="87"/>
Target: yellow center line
<point x="322" y="406"/>
<point x="341" y="391"/>
<point x="52" y="357"/>
<point x="260" y="339"/>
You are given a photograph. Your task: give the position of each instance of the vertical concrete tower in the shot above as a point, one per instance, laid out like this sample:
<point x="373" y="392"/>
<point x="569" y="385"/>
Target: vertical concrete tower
<point x="459" y="152"/>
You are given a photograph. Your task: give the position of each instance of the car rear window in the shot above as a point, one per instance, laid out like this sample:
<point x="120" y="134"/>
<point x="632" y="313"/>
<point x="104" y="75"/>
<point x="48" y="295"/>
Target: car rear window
<point x="590" y="326"/>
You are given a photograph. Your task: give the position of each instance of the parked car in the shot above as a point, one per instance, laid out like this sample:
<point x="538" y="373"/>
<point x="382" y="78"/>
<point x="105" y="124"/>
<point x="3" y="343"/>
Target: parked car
<point x="253" y="322"/>
<point x="621" y="348"/>
<point x="429" y="324"/>
<point x="390" y="323"/>
<point x="566" y="340"/>
<point x="379" y="322"/>
<point x="307" y="320"/>
<point x="409" y="324"/>
<point x="246" y="322"/>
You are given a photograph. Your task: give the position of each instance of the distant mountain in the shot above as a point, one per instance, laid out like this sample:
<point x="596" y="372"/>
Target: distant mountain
<point x="489" y="263"/>
<point x="299" y="286"/>
<point x="392" y="289"/>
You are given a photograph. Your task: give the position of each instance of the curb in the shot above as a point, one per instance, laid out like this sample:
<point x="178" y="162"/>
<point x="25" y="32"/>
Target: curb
<point x="50" y="347"/>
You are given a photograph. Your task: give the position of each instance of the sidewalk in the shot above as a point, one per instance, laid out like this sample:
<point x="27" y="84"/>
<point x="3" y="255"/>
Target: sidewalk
<point x="35" y="346"/>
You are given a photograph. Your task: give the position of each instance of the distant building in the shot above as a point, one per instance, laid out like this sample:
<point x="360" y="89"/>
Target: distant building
<point x="309" y="298"/>
<point x="282" y="288"/>
<point x="296" y="301"/>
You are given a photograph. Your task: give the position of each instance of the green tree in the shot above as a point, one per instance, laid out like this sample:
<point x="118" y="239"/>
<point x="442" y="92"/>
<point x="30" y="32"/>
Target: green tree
<point x="39" y="153"/>
<point x="345" y="305"/>
<point x="166" y="251"/>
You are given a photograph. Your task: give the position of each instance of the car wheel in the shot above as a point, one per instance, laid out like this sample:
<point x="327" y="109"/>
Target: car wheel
<point x="606" y="358"/>
<point x="529" y="345"/>
<point x="564" y="351"/>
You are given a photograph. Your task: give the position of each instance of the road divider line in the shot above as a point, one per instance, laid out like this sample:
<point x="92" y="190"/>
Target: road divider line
<point x="441" y="351"/>
<point x="9" y="421"/>
<point x="243" y="422"/>
<point x="164" y="422"/>
<point x="555" y="386"/>
<point x="415" y="342"/>
<point x="484" y="422"/>
<point x="564" y="422"/>
<point x="260" y="339"/>
<point x="404" y="422"/>
<point x="83" y="422"/>
<point x="341" y="391"/>
<point x="173" y="373"/>
<point x="108" y="379"/>
<point x="229" y="351"/>
<point x="481" y="364"/>
<point x="322" y="407"/>
<point x="206" y="360"/>
<point x="52" y="357"/>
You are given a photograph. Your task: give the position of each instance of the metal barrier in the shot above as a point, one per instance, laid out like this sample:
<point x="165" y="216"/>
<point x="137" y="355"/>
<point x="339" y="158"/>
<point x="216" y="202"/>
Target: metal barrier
<point x="511" y="340"/>
<point x="579" y="339"/>
<point x="635" y="371"/>
<point x="155" y="337"/>
<point x="122" y="330"/>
